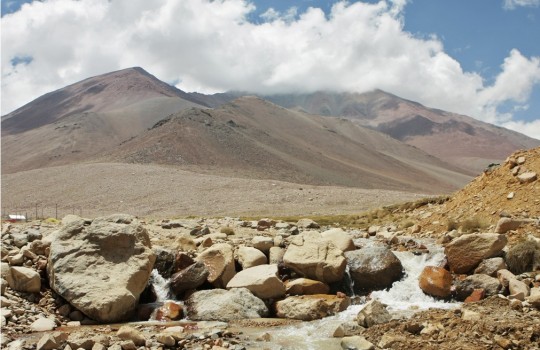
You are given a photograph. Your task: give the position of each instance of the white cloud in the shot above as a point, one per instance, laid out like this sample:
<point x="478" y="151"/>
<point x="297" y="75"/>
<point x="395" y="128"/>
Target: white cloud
<point x="211" y="46"/>
<point x="512" y="4"/>
<point x="531" y="128"/>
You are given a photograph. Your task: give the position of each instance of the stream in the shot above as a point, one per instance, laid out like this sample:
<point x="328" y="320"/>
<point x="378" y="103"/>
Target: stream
<point x="403" y="299"/>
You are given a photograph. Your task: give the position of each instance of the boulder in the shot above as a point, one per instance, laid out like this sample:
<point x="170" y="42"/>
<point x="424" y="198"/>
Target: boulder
<point x="490" y="285"/>
<point x="43" y="324"/>
<point x="225" y="305"/>
<point x="219" y="261"/>
<point x="466" y="252"/>
<point x="275" y="255"/>
<point x="507" y="224"/>
<point x="374" y="312"/>
<point x="435" y="281"/>
<point x="24" y="279"/>
<point x="191" y="277"/>
<point x="249" y="257"/>
<point x="262" y="243"/>
<point x="373" y="268"/>
<point x="491" y="266"/>
<point x="101" y="268"/>
<point x="311" y="307"/>
<point x="341" y="239"/>
<point x="316" y="258"/>
<point x="305" y="286"/>
<point x="262" y="281"/>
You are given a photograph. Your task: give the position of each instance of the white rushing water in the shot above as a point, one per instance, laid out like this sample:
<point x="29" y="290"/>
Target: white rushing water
<point x="403" y="299"/>
<point x="161" y="286"/>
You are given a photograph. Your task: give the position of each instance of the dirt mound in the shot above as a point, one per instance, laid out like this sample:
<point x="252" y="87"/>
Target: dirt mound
<point x="502" y="190"/>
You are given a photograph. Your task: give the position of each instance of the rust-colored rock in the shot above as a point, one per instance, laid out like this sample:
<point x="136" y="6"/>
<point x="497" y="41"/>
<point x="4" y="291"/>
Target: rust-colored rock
<point x="436" y="281"/>
<point x="476" y="295"/>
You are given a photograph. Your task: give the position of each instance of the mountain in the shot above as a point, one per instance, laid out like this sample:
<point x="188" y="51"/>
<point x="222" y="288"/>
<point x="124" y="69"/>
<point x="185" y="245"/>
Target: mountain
<point x="251" y="137"/>
<point x="454" y="138"/>
<point x="86" y="118"/>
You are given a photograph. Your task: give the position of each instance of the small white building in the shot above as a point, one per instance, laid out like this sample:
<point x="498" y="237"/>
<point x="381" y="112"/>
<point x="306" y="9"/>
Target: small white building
<point x="16" y="217"/>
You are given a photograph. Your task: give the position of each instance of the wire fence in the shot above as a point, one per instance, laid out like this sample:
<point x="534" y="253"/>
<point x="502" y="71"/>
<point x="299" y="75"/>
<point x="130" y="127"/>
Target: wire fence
<point x="38" y="212"/>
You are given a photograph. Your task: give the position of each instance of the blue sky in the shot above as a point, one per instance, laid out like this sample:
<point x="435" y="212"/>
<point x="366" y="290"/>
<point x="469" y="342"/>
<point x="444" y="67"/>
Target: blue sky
<point x="477" y="57"/>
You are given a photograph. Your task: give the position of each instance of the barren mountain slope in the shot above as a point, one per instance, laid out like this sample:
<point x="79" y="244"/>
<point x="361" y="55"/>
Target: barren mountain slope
<point x="86" y="118"/>
<point x="250" y="137"/>
<point x="457" y="139"/>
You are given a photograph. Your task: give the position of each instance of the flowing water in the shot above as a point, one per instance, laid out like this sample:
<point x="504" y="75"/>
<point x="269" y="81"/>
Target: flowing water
<point x="403" y="299"/>
<point x="161" y="286"/>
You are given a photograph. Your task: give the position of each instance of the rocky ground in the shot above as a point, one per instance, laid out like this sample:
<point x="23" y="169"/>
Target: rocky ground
<point x="246" y="284"/>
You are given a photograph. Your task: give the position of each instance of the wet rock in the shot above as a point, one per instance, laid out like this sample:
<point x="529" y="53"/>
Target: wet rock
<point x="130" y="333"/>
<point x="119" y="251"/>
<point x="306" y="286"/>
<point x="313" y="257"/>
<point x="262" y="281"/>
<point x="491" y="266"/>
<point x="373" y="313"/>
<point x="311" y="307"/>
<point x="169" y="311"/>
<point x="373" y="268"/>
<point x="341" y="239"/>
<point x="24" y="279"/>
<point x="490" y="285"/>
<point x="466" y="252"/>
<point x="507" y="224"/>
<point x="436" y="281"/>
<point x="250" y="257"/>
<point x="219" y="261"/>
<point x="164" y="261"/>
<point x="191" y="277"/>
<point x="356" y="343"/>
<point x="225" y="305"/>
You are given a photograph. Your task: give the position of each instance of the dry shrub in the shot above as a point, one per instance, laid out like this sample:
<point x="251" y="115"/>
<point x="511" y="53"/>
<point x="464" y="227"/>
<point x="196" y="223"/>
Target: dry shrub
<point x="473" y="224"/>
<point x="227" y="230"/>
<point x="523" y="257"/>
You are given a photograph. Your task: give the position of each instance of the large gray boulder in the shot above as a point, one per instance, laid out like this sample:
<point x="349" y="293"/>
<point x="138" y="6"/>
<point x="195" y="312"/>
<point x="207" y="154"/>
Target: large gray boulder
<point x="373" y="268"/>
<point x="225" y="305"/>
<point x="315" y="257"/>
<point x="490" y="285"/>
<point x="101" y="268"/>
<point x="466" y="252"/>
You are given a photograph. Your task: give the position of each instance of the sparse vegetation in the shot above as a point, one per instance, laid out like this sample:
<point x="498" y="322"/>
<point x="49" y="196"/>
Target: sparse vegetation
<point x="52" y="221"/>
<point x="407" y="224"/>
<point x="473" y="224"/>
<point x="227" y="230"/>
<point x="452" y="225"/>
<point x="523" y="256"/>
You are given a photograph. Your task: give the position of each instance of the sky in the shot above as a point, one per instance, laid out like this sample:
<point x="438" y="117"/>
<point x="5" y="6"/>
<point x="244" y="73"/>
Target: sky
<point x="476" y="57"/>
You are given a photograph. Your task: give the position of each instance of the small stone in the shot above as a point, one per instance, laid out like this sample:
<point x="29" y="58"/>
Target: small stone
<point x="510" y="195"/>
<point x="502" y="342"/>
<point x="47" y="342"/>
<point x="166" y="339"/>
<point x="76" y="315"/>
<point x="131" y="334"/>
<point x="476" y="295"/>
<point x="356" y="343"/>
<point x="98" y="346"/>
<point x="527" y="177"/>
<point x="521" y="160"/>
<point x="64" y="310"/>
<point x="468" y="315"/>
<point x="374" y="312"/>
<point x="128" y="345"/>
